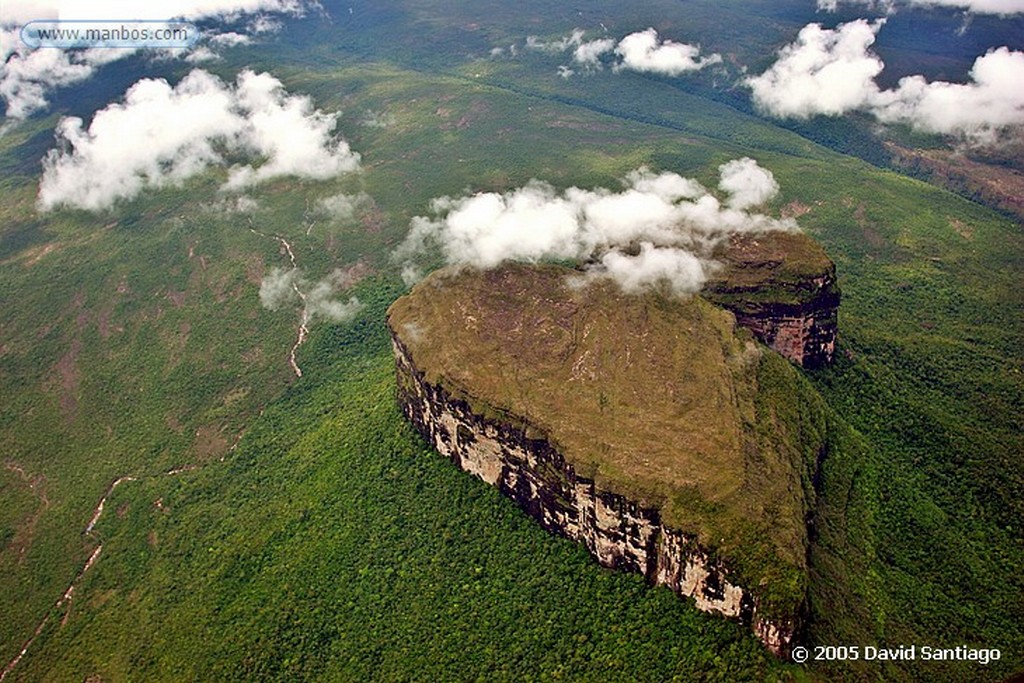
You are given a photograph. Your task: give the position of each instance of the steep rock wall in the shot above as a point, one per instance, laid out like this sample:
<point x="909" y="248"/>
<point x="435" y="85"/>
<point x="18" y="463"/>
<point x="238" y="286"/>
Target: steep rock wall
<point x="804" y="332"/>
<point x="618" y="532"/>
<point x="782" y="287"/>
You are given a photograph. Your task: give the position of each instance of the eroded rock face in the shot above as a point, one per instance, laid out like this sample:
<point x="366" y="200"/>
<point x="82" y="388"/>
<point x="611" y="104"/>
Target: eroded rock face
<point x="782" y="287"/>
<point x="805" y="333"/>
<point x="618" y="532"/>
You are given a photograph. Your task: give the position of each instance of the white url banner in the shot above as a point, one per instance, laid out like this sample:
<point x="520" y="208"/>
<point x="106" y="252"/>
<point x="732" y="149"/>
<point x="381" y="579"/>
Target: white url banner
<point x="71" y="34"/>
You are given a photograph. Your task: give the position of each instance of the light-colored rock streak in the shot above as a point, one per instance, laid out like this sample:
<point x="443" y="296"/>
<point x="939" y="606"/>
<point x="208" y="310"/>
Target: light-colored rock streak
<point x="69" y="593"/>
<point x="303" y="331"/>
<point x="98" y="510"/>
<point x="301" y="338"/>
<point x="287" y="248"/>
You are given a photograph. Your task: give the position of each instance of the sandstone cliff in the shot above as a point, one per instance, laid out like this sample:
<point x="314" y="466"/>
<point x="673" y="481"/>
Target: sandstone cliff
<point x="650" y="430"/>
<point x="782" y="287"/>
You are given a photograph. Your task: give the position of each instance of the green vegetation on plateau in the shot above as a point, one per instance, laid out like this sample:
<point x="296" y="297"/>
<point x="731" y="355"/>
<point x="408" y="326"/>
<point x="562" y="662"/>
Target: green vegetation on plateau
<point x="770" y="268"/>
<point x="329" y="544"/>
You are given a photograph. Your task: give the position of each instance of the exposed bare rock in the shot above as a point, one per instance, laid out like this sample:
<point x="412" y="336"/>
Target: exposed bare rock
<point x="782" y="287"/>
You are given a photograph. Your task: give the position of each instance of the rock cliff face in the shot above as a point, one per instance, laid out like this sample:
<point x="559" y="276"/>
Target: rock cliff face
<point x="619" y="532"/>
<point x="781" y="287"/>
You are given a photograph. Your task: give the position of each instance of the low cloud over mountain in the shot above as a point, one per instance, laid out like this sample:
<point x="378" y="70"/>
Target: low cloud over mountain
<point x="659" y="230"/>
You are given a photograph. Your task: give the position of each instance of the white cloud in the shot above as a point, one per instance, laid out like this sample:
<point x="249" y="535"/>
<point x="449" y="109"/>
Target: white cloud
<point x="378" y="119"/>
<point x="559" y="45"/>
<point x="232" y="205"/>
<point x="992" y="100"/>
<point x="278" y="288"/>
<point x="659" y="229"/>
<point x="162" y="135"/>
<point x="746" y="183"/>
<point x="295" y="138"/>
<point x="832" y="71"/>
<point x="230" y="39"/>
<point x="978" y="6"/>
<point x="320" y="301"/>
<point x="281" y="288"/>
<point x="343" y="207"/>
<point x="28" y="75"/>
<point x="1001" y="7"/>
<point x="589" y="54"/>
<point x="644" y="51"/>
<point x="683" y="271"/>
<point x="201" y="55"/>
<point x="824" y="72"/>
<point x="264" y="24"/>
<point x="19" y="11"/>
<point x="641" y="51"/>
<point x="670" y="186"/>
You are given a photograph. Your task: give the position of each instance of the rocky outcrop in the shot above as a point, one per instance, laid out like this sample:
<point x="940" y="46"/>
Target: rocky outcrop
<point x="803" y="332"/>
<point x="506" y="451"/>
<point x="782" y="287"/>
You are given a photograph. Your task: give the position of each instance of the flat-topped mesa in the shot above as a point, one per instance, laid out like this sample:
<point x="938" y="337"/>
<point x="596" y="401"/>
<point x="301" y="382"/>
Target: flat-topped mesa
<point x="650" y="429"/>
<point x="782" y="287"/>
